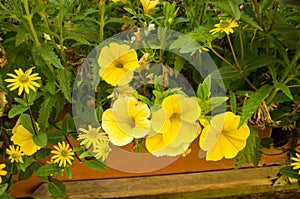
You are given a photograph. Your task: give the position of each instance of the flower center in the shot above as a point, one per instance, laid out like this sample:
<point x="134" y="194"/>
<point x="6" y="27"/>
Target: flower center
<point x="119" y="65"/>
<point x="175" y="116"/>
<point x="14" y="156"/>
<point x="64" y="153"/>
<point x="23" y="78"/>
<point x="92" y="134"/>
<point x="224" y="24"/>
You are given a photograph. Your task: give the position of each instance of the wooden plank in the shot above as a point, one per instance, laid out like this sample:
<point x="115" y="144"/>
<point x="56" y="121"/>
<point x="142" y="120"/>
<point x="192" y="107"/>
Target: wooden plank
<point x="191" y="185"/>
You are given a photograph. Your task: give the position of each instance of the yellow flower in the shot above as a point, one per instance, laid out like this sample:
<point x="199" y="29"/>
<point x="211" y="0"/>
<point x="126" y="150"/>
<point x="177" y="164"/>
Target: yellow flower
<point x="296" y="164"/>
<point x="148" y="5"/>
<point x="117" y="63"/>
<point x="174" y="126"/>
<point x="24" y="139"/>
<point x="127" y="119"/>
<point x="102" y="150"/>
<point x="222" y="138"/>
<point x="91" y="136"/>
<point x="224" y="26"/>
<point x="123" y="1"/>
<point x="15" y="154"/>
<point x="63" y="154"/>
<point x="23" y="81"/>
<point x="2" y="172"/>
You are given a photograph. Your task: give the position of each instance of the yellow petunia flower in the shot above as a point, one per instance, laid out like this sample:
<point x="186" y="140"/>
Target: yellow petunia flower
<point x="222" y="138"/>
<point x="63" y="154"/>
<point x="102" y="150"/>
<point x="15" y="154"/>
<point x="174" y="126"/>
<point x="127" y="119"/>
<point x="23" y="138"/>
<point x="148" y="5"/>
<point x="224" y="26"/>
<point x="123" y="1"/>
<point x="92" y="136"/>
<point x="296" y="163"/>
<point x="23" y="81"/>
<point x="117" y="63"/>
<point x="2" y="172"/>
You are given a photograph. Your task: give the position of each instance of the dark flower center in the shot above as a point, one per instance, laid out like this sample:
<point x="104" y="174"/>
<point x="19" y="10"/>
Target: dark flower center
<point x="23" y="78"/>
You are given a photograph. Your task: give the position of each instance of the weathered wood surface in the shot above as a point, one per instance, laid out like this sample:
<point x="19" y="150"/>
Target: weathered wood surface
<point x="189" y="185"/>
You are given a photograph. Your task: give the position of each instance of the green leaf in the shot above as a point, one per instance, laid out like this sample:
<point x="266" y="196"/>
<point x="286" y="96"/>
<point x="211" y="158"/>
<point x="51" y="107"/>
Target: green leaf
<point x="56" y="136"/>
<point x="64" y="78"/>
<point x="47" y="170"/>
<point x="40" y="139"/>
<point x="3" y="187"/>
<point x="284" y="89"/>
<point x="27" y="161"/>
<point x="99" y="112"/>
<point x="120" y="20"/>
<point x="68" y="172"/>
<point x="24" y="175"/>
<point x="21" y="35"/>
<point x="26" y="123"/>
<point x="289" y="172"/>
<point x="41" y="7"/>
<point x="81" y="40"/>
<point x="45" y="111"/>
<point x="251" y="150"/>
<point x="57" y="189"/>
<point x="86" y="154"/>
<point x="249" y="20"/>
<point x="190" y="47"/>
<point x="68" y="123"/>
<point x="255" y="62"/>
<point x="95" y="164"/>
<point x="203" y="91"/>
<point x="178" y="64"/>
<point x="6" y="196"/>
<point x="253" y="102"/>
<point x="42" y="153"/>
<point x="232" y="98"/>
<point x="16" y="110"/>
<point x="180" y="42"/>
<point x="234" y="6"/>
<point x="49" y="56"/>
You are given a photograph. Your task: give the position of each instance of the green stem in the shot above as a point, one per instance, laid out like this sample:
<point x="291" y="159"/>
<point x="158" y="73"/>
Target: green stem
<point x="28" y="17"/>
<point x="102" y="19"/>
<point x="290" y="66"/>
<point x="274" y="15"/>
<point x="222" y="58"/>
<point x="233" y="53"/>
<point x="242" y="47"/>
<point x="31" y="115"/>
<point x="61" y="40"/>
<point x="257" y="10"/>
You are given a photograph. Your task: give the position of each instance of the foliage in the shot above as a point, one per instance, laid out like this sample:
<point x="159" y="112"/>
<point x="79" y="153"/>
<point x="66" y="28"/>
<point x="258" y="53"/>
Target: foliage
<point x="255" y="46"/>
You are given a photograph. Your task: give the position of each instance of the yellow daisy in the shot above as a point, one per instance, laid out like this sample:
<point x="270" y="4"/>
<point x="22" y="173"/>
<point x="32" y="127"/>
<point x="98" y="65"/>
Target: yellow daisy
<point x="224" y="26"/>
<point x="63" y="154"/>
<point x="174" y="126"/>
<point x="102" y="150"/>
<point x="296" y="163"/>
<point x="127" y="119"/>
<point x="222" y="138"/>
<point x="91" y="136"/>
<point x="23" y="81"/>
<point x="15" y="154"/>
<point x="2" y="172"/>
<point x="148" y="5"/>
<point x="117" y="63"/>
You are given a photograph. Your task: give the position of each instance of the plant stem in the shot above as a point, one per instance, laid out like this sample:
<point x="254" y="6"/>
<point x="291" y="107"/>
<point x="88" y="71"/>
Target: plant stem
<point x="233" y="53"/>
<point x="31" y="115"/>
<point x="28" y="17"/>
<point x="77" y="157"/>
<point x="290" y="66"/>
<point x="257" y="10"/>
<point x="242" y="47"/>
<point x="101" y="6"/>
<point x="61" y="40"/>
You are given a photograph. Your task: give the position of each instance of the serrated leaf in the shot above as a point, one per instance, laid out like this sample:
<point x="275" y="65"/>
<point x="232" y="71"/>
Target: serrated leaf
<point x="289" y="172"/>
<point x="40" y="139"/>
<point x="234" y="6"/>
<point x="21" y="35"/>
<point x="45" y="111"/>
<point x="42" y="153"/>
<point x="17" y="110"/>
<point x="47" y="170"/>
<point x="57" y="189"/>
<point x="3" y="187"/>
<point x="68" y="124"/>
<point x="49" y="56"/>
<point x="95" y="164"/>
<point x="78" y="38"/>
<point x="285" y="90"/>
<point x="26" y="123"/>
<point x="251" y="150"/>
<point x="253" y="102"/>
<point x="56" y="136"/>
<point x="64" y="78"/>
<point x="255" y="62"/>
